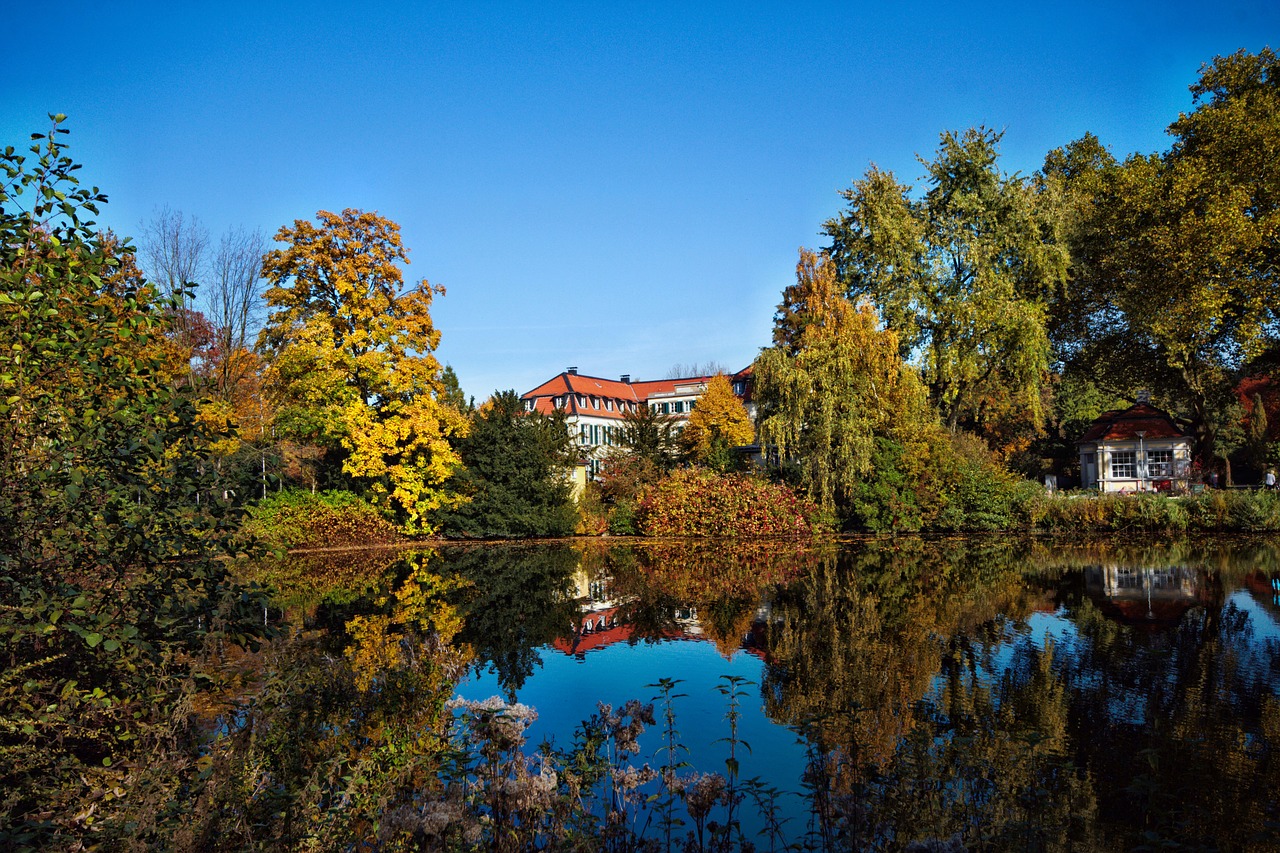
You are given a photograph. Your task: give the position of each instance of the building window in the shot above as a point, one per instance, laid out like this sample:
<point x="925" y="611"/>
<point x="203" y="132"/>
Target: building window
<point x="1124" y="465"/>
<point x="595" y="402"/>
<point x="679" y="407"/>
<point x="582" y="401"/>
<point x="666" y="408"/>
<point x="608" y="405"/>
<point x="1159" y="463"/>
<point x="738" y="388"/>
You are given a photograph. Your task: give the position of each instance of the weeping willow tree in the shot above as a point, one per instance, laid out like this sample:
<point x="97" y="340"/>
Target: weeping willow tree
<point x="832" y="383"/>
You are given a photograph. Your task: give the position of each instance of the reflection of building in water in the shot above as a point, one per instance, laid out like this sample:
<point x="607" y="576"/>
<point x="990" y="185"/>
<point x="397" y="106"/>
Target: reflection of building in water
<point x="602" y="621"/>
<point x="1151" y="597"/>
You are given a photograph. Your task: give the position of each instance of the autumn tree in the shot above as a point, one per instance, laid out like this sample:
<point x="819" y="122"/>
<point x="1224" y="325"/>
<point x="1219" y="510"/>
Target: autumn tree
<point x="832" y="382"/>
<point x="351" y="357"/>
<point x="961" y="276"/>
<point x="718" y="422"/>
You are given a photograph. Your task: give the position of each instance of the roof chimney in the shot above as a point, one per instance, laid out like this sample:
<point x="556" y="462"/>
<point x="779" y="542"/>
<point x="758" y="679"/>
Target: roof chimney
<point x="1144" y="396"/>
<point x="626" y="377"/>
<point x="572" y="371"/>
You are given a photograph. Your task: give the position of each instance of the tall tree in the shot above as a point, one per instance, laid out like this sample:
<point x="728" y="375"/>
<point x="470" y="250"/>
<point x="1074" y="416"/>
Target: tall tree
<point x="351" y="356"/>
<point x="1175" y="284"/>
<point x="232" y="298"/>
<point x="962" y="276"/>
<point x="174" y="254"/>
<point x="718" y="422"/>
<point x="832" y="383"/>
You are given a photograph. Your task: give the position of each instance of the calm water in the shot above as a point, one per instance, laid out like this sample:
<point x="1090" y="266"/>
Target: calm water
<point x="1019" y="694"/>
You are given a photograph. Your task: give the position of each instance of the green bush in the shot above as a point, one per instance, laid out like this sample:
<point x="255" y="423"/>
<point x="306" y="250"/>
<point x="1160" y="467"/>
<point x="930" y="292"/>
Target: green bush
<point x="296" y="518"/>
<point x="695" y="502"/>
<point x="622" y="519"/>
<point x="886" y="501"/>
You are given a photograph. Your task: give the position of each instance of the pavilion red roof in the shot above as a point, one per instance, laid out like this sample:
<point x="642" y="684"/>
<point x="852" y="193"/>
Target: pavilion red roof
<point x="1125" y="424"/>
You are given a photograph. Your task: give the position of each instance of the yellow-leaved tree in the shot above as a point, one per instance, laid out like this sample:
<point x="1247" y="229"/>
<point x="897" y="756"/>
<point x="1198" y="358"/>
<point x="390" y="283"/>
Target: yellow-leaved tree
<point x="832" y="384"/>
<point x="719" y="422"/>
<point x="351" y="364"/>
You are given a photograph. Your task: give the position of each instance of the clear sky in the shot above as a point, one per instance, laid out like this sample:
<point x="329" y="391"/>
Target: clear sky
<point x="614" y="186"/>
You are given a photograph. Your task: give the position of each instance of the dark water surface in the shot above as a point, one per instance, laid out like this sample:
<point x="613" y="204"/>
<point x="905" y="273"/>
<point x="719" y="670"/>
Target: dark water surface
<point x="1018" y="694"/>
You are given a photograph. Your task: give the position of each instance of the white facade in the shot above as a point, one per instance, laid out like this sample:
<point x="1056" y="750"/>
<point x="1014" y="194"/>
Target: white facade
<point x="1138" y="465"/>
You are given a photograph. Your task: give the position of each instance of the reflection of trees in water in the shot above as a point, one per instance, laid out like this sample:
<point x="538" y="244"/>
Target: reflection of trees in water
<point x="519" y="599"/>
<point x="1180" y="728"/>
<point x="724" y="581"/>
<point x="913" y="661"/>
<point x="855" y="645"/>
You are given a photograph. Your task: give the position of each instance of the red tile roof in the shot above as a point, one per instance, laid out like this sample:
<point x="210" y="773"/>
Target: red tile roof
<point x="1125" y="424"/>
<point x="575" y="385"/>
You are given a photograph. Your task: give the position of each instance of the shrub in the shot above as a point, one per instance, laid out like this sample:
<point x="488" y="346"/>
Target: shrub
<point x="701" y="503"/>
<point x="886" y="501"/>
<point x="1211" y="511"/>
<point x="300" y="519"/>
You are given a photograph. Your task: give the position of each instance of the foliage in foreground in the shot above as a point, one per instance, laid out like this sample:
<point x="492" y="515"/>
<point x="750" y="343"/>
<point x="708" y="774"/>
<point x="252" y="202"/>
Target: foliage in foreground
<point x="114" y="598"/>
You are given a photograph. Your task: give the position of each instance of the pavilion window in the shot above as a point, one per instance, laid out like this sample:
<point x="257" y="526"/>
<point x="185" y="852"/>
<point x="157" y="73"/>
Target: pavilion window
<point x="1124" y="464"/>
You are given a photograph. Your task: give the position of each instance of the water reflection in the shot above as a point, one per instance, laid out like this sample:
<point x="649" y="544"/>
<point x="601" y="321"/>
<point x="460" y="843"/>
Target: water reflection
<point x="1016" y="694"/>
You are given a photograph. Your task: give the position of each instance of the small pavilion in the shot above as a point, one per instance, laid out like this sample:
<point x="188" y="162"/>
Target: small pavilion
<point x="1138" y="449"/>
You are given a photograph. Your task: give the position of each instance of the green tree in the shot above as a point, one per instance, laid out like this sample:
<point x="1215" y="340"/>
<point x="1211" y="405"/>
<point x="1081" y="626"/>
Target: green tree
<point x="962" y="276"/>
<point x="112" y="580"/>
<point x="650" y="435"/>
<point x="718" y="422"/>
<point x="515" y="475"/>
<point x="351" y="358"/>
<point x="1174" y="284"/>
<point x="831" y="384"/>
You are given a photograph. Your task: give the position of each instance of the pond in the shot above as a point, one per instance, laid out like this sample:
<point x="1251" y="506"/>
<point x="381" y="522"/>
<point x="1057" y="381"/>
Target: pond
<point x="1006" y="694"/>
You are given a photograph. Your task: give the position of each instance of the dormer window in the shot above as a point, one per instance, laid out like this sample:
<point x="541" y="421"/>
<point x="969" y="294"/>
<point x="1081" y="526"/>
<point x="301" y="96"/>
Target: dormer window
<point x="595" y="402"/>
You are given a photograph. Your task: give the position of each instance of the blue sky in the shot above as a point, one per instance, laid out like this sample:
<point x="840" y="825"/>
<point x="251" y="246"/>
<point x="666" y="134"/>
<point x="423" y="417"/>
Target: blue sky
<point x="614" y="186"/>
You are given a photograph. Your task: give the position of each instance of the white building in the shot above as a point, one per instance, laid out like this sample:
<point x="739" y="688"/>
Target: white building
<point x="594" y="407"/>
<point x="1138" y="449"/>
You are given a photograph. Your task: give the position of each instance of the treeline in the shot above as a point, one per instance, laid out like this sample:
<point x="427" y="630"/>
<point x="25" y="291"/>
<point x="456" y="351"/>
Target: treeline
<point x="951" y="341"/>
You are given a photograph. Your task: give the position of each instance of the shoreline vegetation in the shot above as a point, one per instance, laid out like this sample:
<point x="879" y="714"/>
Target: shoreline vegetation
<point x="302" y="523"/>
